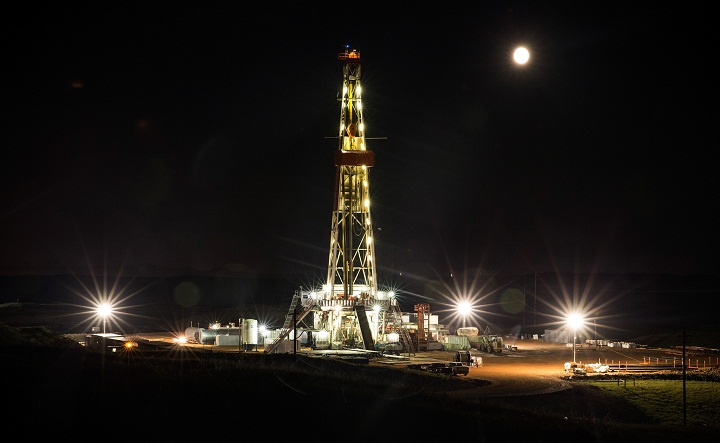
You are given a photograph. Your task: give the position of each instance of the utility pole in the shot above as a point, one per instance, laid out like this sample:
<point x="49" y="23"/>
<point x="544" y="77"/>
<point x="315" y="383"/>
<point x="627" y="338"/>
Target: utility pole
<point x="524" y="305"/>
<point x="684" y="377"/>
<point x="535" y="302"/>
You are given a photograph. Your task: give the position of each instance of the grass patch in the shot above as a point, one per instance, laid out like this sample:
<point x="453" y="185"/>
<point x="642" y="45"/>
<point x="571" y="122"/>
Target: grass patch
<point x="662" y="400"/>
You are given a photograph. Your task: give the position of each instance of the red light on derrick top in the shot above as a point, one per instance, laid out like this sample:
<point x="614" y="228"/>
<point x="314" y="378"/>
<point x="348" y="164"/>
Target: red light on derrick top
<point x="349" y="54"/>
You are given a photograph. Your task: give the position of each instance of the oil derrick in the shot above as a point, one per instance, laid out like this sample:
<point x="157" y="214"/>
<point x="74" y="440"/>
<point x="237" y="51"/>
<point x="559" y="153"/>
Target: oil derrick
<point x="349" y="312"/>
<point x="351" y="286"/>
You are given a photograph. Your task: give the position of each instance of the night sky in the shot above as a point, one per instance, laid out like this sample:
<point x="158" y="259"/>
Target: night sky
<point x="197" y="137"/>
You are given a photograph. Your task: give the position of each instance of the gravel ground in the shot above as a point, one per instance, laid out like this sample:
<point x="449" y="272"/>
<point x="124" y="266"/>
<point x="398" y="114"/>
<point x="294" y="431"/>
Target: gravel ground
<point x="536" y="367"/>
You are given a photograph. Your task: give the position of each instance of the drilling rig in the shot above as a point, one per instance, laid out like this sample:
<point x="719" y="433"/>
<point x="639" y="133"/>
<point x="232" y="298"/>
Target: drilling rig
<point x="349" y="312"/>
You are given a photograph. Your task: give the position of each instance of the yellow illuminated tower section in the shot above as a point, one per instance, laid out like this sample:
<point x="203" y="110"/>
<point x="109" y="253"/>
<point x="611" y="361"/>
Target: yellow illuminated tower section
<point x="351" y="264"/>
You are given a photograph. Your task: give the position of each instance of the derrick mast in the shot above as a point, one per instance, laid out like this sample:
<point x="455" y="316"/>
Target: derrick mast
<point x="351" y="282"/>
<point x="349" y="311"/>
<point x="351" y="263"/>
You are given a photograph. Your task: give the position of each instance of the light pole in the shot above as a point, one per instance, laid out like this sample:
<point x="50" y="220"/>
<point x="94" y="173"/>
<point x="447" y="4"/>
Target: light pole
<point x="464" y="309"/>
<point x="574" y="321"/>
<point x="104" y="310"/>
<point x="376" y="308"/>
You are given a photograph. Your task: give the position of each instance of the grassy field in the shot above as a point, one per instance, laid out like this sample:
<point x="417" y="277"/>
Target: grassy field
<point x="662" y="400"/>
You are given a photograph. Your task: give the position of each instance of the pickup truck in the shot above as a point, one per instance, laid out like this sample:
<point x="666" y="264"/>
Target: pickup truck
<point x="452" y="368"/>
<point x="458" y="368"/>
<point x="438" y="368"/>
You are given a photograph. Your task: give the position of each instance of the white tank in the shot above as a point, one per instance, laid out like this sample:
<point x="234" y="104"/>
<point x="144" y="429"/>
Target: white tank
<point x="249" y="333"/>
<point x="192" y="335"/>
<point x="207" y="336"/>
<point x="467" y="331"/>
<point x="228" y="331"/>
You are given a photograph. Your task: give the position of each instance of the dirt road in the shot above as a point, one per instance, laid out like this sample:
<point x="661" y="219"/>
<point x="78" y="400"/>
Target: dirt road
<point x="536" y="367"/>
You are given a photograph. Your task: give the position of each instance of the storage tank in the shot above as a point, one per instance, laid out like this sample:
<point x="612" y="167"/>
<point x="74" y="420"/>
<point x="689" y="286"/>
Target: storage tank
<point x="467" y="331"/>
<point x="192" y="335"/>
<point x="207" y="336"/>
<point x="227" y="340"/>
<point x="249" y="333"/>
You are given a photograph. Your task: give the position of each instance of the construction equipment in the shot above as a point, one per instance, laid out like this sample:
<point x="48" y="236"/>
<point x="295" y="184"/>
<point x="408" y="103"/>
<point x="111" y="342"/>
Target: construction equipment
<point x="489" y="342"/>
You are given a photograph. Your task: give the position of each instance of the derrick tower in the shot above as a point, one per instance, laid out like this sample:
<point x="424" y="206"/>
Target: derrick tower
<point x="351" y="271"/>
<point x="351" y="262"/>
<point x="349" y="311"/>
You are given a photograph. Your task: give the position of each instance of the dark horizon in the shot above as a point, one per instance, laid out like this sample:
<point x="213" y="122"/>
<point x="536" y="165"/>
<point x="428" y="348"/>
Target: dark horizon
<point x="618" y="306"/>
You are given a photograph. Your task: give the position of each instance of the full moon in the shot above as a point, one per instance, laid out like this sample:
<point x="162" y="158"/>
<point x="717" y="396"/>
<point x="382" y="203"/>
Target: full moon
<point x="521" y="56"/>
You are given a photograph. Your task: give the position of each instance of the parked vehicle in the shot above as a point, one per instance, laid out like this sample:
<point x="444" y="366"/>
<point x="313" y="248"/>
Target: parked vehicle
<point x="393" y="348"/>
<point x="438" y="368"/>
<point x="487" y="342"/>
<point x="491" y="343"/>
<point x="452" y="368"/>
<point x="458" y="368"/>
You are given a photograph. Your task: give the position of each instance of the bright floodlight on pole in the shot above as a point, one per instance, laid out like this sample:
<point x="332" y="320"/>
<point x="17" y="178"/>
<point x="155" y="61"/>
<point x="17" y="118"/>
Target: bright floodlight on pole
<point x="104" y="310"/>
<point x="464" y="309"/>
<point x="575" y="321"/>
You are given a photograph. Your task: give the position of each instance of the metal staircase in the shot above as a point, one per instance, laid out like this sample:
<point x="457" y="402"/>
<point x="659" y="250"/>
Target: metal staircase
<point x="403" y="333"/>
<point x="288" y="325"/>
